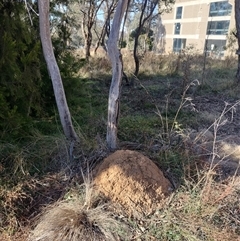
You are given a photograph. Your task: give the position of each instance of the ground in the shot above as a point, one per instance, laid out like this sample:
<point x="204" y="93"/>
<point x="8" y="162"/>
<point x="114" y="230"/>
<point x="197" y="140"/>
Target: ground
<point x="208" y="120"/>
<point x="179" y="147"/>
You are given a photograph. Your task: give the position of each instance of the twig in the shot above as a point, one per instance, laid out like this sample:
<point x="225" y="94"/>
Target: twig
<point x="26" y="5"/>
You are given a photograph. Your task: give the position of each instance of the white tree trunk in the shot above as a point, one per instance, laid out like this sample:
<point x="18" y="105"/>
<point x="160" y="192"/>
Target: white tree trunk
<point x="237" y="20"/>
<point x="116" y="60"/>
<point x="65" y="117"/>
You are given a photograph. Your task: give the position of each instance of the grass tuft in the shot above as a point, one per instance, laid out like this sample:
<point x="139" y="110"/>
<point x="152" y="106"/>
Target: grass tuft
<point x="81" y="216"/>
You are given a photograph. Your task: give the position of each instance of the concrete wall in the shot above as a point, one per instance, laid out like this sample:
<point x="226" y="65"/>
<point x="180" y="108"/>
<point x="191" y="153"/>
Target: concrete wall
<point x="194" y="22"/>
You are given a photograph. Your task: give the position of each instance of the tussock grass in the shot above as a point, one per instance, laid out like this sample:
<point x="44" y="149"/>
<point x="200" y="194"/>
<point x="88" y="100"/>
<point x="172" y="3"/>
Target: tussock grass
<point x="79" y="217"/>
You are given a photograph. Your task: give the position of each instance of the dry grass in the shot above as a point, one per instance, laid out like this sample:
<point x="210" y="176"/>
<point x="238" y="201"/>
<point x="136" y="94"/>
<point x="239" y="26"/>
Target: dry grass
<point x="80" y="217"/>
<point x="203" y="207"/>
<point x="72" y="221"/>
<point x="193" y="211"/>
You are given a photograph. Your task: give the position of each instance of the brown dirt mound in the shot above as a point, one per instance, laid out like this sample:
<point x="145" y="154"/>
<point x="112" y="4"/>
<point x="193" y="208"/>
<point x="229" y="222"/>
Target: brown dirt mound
<point x="132" y="180"/>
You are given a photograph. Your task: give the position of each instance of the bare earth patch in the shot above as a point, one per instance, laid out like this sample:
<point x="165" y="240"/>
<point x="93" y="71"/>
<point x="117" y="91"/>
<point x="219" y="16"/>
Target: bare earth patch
<point x="133" y="181"/>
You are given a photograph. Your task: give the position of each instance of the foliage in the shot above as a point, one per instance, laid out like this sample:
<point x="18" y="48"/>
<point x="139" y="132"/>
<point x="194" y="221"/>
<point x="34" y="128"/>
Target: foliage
<point x="232" y="42"/>
<point x="146" y="34"/>
<point x="20" y="68"/>
<point x="144" y="30"/>
<point x="26" y="93"/>
<point x="165" y="6"/>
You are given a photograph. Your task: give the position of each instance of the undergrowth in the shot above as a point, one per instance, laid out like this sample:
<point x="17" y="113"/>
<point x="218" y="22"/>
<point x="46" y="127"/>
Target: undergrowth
<point x="158" y="115"/>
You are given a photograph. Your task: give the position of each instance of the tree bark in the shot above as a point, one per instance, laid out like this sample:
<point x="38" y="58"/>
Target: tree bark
<point x="87" y="44"/>
<point x="65" y="117"/>
<point x="141" y="23"/>
<point x="90" y="11"/>
<point x="117" y="68"/>
<point x="237" y="19"/>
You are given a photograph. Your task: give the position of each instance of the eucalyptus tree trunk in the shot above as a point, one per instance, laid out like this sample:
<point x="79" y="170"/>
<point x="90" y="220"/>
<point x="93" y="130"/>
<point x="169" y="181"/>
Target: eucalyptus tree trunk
<point x="237" y="19"/>
<point x="89" y="10"/>
<point x="117" y="70"/>
<point x="148" y="8"/>
<point x="65" y="117"/>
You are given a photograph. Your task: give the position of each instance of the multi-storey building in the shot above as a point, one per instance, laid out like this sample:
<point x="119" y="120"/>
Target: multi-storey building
<point x="203" y="24"/>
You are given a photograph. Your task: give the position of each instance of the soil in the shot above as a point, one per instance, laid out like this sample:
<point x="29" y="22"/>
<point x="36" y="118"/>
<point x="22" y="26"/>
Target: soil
<point x="132" y="180"/>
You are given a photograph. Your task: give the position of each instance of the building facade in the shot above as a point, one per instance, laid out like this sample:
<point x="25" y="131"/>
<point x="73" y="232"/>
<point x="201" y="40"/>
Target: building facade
<point x="203" y="24"/>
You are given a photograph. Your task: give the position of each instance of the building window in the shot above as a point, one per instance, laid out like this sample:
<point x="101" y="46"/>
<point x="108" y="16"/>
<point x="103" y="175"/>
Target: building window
<point x="220" y="9"/>
<point x="179" y="44"/>
<point x="215" y="48"/>
<point x="177" y="28"/>
<point x="179" y="13"/>
<point x="218" y="27"/>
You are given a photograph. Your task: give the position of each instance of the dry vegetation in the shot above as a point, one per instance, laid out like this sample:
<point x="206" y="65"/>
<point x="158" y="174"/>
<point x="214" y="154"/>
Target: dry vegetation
<point x="190" y="131"/>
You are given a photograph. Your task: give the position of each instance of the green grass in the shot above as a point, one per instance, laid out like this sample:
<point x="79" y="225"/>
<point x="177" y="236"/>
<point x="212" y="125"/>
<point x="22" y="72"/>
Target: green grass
<point x="200" y="209"/>
<point x="138" y="128"/>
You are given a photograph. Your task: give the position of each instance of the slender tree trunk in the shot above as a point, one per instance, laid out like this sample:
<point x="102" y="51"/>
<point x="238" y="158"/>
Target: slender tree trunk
<point x="89" y="18"/>
<point x="135" y="55"/>
<point x="140" y="26"/>
<point x="237" y="19"/>
<point x="106" y="27"/>
<point x="141" y="23"/>
<point x="65" y="117"/>
<point x="87" y="45"/>
<point x="101" y="39"/>
<point x="87" y="41"/>
<point x="117" y="68"/>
